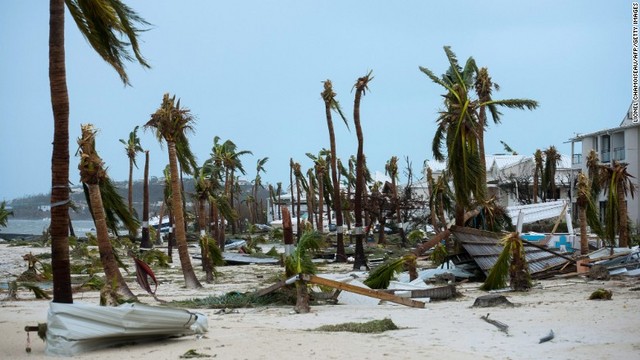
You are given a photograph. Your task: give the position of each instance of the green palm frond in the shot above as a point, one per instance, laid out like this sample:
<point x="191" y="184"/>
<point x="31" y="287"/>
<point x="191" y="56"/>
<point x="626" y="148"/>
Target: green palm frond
<point x="104" y="23"/>
<point x="381" y="276"/>
<point x="300" y="261"/>
<point x="497" y="278"/>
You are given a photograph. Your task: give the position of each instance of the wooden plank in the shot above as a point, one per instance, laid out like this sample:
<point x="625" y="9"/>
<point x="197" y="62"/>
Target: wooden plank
<point x="438" y="293"/>
<point x="361" y="291"/>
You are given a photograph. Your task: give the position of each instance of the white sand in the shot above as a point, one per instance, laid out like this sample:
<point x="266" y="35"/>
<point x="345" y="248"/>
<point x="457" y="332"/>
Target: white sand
<point x="584" y="329"/>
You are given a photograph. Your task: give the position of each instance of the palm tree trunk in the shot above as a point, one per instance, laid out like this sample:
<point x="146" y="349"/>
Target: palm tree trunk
<point x="360" y="260"/>
<point x="190" y="279"/>
<point x="60" y="157"/>
<point x="130" y="192"/>
<point x="584" y="241"/>
<point x="437" y="238"/>
<point x="107" y="257"/>
<point x="320" y="200"/>
<point x="145" y="242"/>
<point x="623" y="232"/>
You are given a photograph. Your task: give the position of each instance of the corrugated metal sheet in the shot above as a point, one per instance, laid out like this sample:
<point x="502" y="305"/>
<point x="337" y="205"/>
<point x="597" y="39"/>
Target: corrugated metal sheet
<point x="485" y="248"/>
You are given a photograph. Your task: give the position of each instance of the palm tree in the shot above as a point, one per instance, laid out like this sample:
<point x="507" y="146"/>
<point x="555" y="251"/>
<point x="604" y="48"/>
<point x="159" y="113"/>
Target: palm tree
<point x="331" y="104"/>
<point x="616" y="182"/>
<point x="391" y="169"/>
<point x="257" y="183"/>
<point x="484" y="87"/>
<point x="587" y="213"/>
<point x="92" y="174"/>
<point x="202" y="192"/>
<point x="101" y="22"/>
<point x="4" y="214"/>
<point x="145" y="242"/>
<point x="459" y="130"/>
<point x="132" y="147"/>
<point x="537" y="174"/>
<point x="552" y="159"/>
<point x="512" y="262"/>
<point x="170" y="123"/>
<point x="361" y="87"/>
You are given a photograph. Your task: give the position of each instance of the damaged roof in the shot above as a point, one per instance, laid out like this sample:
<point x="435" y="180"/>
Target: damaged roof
<point x="484" y="247"/>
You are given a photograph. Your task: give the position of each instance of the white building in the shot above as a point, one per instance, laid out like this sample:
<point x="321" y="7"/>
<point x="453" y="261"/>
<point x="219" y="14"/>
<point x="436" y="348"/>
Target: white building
<point x="619" y="143"/>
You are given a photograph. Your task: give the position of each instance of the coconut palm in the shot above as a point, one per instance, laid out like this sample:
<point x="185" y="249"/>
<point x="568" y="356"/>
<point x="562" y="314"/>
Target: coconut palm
<point x="145" y="241"/>
<point x="361" y="86"/>
<point x="321" y="171"/>
<point x="331" y="104"/>
<point x="552" y="159"/>
<point x="170" y="123"/>
<point x="300" y="262"/>
<point x="92" y="174"/>
<point x="537" y="173"/>
<point x="4" y="214"/>
<point x="132" y="147"/>
<point x="484" y="86"/>
<point x="202" y="191"/>
<point x="459" y="130"/>
<point x="616" y="182"/>
<point x="103" y="23"/>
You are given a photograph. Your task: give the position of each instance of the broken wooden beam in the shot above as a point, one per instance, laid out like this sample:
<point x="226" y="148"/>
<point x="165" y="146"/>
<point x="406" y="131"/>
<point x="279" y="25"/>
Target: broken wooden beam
<point x="437" y="293"/>
<point x="361" y="291"/>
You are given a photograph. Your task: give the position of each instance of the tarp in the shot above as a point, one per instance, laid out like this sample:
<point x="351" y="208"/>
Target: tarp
<point x="76" y="328"/>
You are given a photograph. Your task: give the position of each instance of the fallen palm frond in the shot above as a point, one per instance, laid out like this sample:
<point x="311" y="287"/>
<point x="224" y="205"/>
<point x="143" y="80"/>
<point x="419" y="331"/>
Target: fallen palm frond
<point x="143" y="274"/>
<point x="234" y="300"/>
<point x="155" y="257"/>
<point x="383" y="274"/>
<point x="370" y="327"/>
<point x="301" y="261"/>
<point x="193" y="354"/>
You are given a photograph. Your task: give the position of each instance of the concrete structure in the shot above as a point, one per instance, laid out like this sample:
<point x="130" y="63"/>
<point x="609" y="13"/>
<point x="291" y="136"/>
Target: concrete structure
<point x="619" y="143"/>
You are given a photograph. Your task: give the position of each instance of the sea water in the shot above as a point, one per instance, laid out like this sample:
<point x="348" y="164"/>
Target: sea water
<point x="37" y="227"/>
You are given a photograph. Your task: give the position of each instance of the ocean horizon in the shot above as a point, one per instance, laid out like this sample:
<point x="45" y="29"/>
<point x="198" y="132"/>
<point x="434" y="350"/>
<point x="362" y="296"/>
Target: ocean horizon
<point x="37" y="227"/>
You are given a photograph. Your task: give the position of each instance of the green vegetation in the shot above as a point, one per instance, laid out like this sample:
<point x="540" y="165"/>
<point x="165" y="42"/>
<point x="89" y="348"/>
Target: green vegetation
<point x="370" y="327"/>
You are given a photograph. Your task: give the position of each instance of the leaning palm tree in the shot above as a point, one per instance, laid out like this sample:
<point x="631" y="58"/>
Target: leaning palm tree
<point x="170" y="123"/>
<point x="616" y="182"/>
<point x="257" y="183"/>
<point x="484" y="86"/>
<point x="92" y="174"/>
<point x="300" y="262"/>
<point x="103" y="23"/>
<point x="132" y="147"/>
<point x="361" y="86"/>
<point x="391" y="169"/>
<point x="331" y="104"/>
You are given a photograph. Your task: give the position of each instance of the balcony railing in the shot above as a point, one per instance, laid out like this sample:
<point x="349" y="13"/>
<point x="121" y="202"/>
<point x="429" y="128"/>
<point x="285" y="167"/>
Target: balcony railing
<point x="618" y="153"/>
<point x="605" y="156"/>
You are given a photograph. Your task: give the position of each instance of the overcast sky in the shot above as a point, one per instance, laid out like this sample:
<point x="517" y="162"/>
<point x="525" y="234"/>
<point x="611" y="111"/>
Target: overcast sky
<point x="252" y="72"/>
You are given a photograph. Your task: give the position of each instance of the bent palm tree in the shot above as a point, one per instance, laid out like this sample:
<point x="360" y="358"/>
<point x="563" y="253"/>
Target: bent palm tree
<point x="170" y="122"/>
<point x="361" y="87"/>
<point x="616" y="182"/>
<point x="331" y="104"/>
<point x="93" y="173"/>
<point x="100" y="22"/>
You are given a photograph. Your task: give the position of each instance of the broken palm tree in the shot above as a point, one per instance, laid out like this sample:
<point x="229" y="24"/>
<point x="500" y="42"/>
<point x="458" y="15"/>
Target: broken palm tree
<point x="300" y="262"/>
<point x="381" y="276"/>
<point x="512" y="263"/>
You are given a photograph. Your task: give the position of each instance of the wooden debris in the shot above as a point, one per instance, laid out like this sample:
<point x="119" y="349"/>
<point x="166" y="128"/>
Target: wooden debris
<point x="547" y="338"/>
<point x="500" y="325"/>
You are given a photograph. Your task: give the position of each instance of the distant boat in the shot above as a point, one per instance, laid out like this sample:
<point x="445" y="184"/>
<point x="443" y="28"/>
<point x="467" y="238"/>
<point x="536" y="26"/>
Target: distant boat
<point x="156" y="224"/>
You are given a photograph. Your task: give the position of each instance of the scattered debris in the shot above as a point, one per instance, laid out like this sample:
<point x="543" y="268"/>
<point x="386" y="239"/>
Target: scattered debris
<point x="193" y="354"/>
<point x="601" y="294"/>
<point x="550" y="336"/>
<point x="599" y="272"/>
<point x="492" y="300"/>
<point x="500" y="325"/>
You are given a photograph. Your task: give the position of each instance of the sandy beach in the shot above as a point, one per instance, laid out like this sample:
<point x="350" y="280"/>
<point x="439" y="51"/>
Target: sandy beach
<point x="448" y="329"/>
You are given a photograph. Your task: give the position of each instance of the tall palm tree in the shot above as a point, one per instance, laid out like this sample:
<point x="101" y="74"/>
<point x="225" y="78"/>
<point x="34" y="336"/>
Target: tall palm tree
<point x="331" y="104"/>
<point x="170" y="123"/>
<point x="361" y="86"/>
<point x="537" y="173"/>
<point x="92" y="174"/>
<point x="587" y="213"/>
<point x="459" y="130"/>
<point x="103" y="23"/>
<point x="202" y="192"/>
<point x="132" y="147"/>
<point x="145" y="241"/>
<point x="616" y="182"/>
<point x="484" y="87"/>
